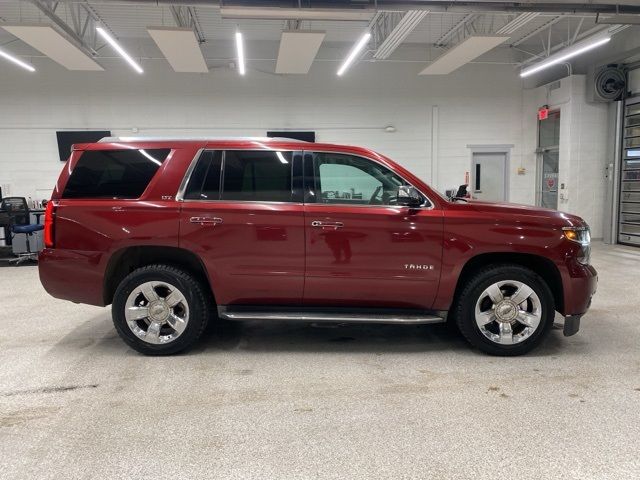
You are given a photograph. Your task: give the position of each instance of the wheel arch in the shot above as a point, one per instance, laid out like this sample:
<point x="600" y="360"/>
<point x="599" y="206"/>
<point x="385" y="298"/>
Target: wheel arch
<point x="542" y="266"/>
<point x="126" y="260"/>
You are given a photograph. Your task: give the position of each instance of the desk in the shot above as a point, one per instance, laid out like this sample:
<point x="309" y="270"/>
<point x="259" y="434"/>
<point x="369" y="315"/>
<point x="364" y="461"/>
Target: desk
<point x="37" y="213"/>
<point x="5" y="227"/>
<point x="6" y="221"/>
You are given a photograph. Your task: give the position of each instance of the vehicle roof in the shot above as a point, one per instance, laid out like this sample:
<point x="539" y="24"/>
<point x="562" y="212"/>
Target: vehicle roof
<point x="108" y="143"/>
<point x="257" y="143"/>
<point x="193" y="139"/>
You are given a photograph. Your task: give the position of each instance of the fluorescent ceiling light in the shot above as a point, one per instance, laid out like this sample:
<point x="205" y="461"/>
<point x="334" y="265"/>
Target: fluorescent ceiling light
<point x="180" y="47"/>
<point x="463" y="53"/>
<point x="54" y="45"/>
<point x="116" y="46"/>
<point x="297" y="51"/>
<point x="405" y="26"/>
<point x="17" y="61"/>
<point x="240" y="48"/>
<point x="567" y="53"/>
<point x="354" y="52"/>
<point x="277" y="13"/>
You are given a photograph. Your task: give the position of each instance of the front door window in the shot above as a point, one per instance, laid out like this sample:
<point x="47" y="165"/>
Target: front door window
<point x="350" y="180"/>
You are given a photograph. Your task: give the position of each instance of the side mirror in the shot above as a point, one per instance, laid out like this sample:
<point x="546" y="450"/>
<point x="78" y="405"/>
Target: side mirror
<point x="408" y="196"/>
<point x="462" y="191"/>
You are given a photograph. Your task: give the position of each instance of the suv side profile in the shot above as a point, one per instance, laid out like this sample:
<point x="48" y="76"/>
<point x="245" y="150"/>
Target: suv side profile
<point x="174" y="233"/>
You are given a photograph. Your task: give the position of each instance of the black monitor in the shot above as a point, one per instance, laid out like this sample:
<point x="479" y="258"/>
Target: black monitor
<point x="305" y="136"/>
<point x="67" y="138"/>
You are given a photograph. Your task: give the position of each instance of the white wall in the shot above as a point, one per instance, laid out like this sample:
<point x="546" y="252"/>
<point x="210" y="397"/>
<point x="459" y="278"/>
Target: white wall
<point x="583" y="147"/>
<point x="479" y="104"/>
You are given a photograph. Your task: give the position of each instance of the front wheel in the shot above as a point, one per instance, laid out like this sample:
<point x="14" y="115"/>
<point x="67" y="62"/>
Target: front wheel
<point x="505" y="310"/>
<point x="160" y="310"/>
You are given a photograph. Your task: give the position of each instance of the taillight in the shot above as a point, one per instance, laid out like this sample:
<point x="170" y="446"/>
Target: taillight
<point x="49" y="223"/>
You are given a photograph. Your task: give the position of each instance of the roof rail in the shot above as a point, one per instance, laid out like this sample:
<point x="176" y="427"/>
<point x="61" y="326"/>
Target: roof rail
<point x="194" y="139"/>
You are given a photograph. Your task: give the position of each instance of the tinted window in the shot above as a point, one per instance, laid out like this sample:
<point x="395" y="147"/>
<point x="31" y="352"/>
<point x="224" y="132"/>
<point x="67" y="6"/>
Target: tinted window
<point x="113" y="173"/>
<point x="257" y="175"/>
<point x="347" y="179"/>
<point x="204" y="183"/>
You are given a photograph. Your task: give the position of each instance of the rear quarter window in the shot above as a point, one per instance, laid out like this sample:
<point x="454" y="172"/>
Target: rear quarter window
<point x="114" y="173"/>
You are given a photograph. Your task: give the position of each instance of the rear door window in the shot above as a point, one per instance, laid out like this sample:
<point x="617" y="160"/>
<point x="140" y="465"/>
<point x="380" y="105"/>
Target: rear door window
<point x="204" y="183"/>
<point x="114" y="173"/>
<point x="257" y="176"/>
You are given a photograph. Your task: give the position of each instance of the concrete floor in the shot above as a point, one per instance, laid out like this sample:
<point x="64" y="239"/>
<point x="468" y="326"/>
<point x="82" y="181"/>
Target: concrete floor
<point x="295" y="401"/>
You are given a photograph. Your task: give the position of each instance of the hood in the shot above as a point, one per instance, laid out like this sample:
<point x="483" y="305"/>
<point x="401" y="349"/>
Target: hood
<point x="525" y="213"/>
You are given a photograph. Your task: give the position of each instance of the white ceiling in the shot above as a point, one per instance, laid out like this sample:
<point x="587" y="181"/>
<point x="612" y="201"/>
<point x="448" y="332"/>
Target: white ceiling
<point x="131" y="20"/>
<point x="129" y="23"/>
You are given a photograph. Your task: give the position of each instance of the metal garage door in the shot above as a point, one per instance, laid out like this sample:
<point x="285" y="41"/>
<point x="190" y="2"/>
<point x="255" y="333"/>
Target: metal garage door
<point x="629" y="208"/>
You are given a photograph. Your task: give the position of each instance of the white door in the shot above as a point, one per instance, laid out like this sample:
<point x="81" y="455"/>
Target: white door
<point x="488" y="176"/>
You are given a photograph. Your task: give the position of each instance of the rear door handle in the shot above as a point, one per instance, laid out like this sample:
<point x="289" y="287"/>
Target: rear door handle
<point x="206" y="220"/>
<point x="327" y="225"/>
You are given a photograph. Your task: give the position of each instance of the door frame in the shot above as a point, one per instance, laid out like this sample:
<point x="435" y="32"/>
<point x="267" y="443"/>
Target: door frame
<point x="500" y="149"/>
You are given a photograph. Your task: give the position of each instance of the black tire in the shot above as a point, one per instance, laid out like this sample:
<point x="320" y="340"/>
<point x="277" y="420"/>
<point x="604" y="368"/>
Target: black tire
<point x="465" y="304"/>
<point x="199" y="307"/>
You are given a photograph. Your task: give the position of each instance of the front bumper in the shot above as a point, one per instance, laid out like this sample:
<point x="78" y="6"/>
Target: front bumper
<point x="580" y="283"/>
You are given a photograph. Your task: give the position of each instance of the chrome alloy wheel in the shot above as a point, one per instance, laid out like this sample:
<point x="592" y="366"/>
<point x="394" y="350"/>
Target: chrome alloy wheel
<point x="157" y="312"/>
<point x="508" y="312"/>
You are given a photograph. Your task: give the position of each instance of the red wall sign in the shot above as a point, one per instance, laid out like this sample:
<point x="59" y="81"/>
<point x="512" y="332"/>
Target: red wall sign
<point x="543" y="113"/>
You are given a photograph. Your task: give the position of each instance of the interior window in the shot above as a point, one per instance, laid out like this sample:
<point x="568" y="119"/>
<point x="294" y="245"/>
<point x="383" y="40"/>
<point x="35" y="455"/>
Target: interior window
<point x="257" y="175"/>
<point x="347" y="179"/>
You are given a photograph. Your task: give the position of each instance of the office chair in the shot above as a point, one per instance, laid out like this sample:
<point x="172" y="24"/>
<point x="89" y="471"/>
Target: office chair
<point x="18" y="210"/>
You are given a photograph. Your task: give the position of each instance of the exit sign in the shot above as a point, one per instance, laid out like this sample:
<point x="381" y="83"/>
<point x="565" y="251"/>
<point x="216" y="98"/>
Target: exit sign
<point x="543" y="113"/>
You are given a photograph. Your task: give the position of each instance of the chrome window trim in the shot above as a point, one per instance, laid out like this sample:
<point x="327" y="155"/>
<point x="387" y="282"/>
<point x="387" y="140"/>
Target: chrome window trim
<point x="192" y="166"/>
<point x="397" y="207"/>
<point x="185" y="180"/>
<point x="259" y="202"/>
<point x="187" y="176"/>
<point x="431" y="205"/>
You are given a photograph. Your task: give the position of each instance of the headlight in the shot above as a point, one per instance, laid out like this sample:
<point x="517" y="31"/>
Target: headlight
<point x="582" y="236"/>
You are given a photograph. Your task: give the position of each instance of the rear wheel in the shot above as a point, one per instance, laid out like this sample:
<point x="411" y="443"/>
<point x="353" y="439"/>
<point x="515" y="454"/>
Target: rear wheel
<point x="505" y="310"/>
<point x="160" y="310"/>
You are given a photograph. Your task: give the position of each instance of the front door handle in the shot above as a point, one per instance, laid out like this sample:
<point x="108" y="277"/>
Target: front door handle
<point x="206" y="220"/>
<point x="327" y="225"/>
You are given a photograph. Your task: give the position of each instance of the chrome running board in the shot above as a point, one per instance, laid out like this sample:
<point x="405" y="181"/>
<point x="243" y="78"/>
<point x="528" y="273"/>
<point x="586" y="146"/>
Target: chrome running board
<point x="336" y="316"/>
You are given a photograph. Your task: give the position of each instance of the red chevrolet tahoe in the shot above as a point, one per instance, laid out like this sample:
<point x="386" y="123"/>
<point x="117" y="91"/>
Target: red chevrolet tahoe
<point x="174" y="233"/>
